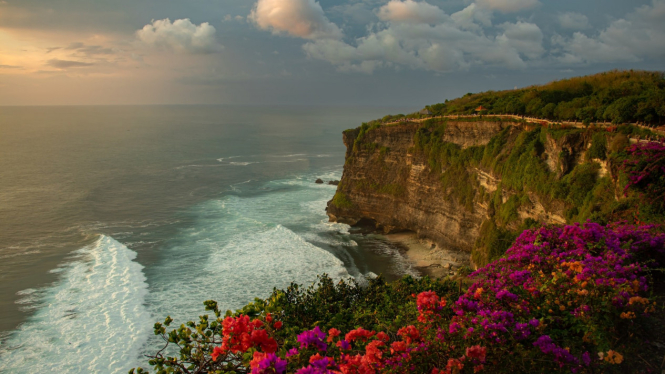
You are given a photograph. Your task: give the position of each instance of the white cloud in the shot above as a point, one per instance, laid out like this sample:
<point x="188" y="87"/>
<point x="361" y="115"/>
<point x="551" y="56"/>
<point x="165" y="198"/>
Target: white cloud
<point x="524" y="37"/>
<point x="181" y="36"/>
<point x="301" y="18"/>
<point x="443" y="47"/>
<point x="473" y="17"/>
<point x="573" y="21"/>
<point x="411" y="12"/>
<point x="640" y="35"/>
<point x="507" y="6"/>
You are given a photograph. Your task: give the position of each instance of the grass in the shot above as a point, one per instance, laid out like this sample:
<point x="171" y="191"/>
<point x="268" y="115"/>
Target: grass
<point x="341" y="201"/>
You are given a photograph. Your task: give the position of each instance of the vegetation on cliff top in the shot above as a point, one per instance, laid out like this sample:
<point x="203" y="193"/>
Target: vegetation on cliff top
<point x="614" y="96"/>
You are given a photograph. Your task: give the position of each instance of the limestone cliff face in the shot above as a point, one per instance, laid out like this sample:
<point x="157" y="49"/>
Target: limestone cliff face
<point x="386" y="181"/>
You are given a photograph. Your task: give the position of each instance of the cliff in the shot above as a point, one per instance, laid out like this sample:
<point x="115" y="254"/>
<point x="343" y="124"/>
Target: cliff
<point x="468" y="186"/>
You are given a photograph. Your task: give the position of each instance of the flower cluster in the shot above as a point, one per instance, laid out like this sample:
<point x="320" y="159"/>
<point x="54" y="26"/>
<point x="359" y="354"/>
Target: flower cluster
<point x="241" y="334"/>
<point x="551" y="303"/>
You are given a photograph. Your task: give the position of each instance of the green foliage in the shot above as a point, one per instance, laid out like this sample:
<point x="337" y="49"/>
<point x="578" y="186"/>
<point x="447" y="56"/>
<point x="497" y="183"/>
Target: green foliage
<point x="619" y="143"/>
<point x="364" y="129"/>
<point x="341" y="201"/>
<point x="492" y="243"/>
<point x="598" y="147"/>
<point x="577" y="185"/>
<point x="460" y="184"/>
<point x="634" y="131"/>
<point x="346" y="305"/>
<point x="614" y="96"/>
<point x="394" y="189"/>
<point x="520" y="164"/>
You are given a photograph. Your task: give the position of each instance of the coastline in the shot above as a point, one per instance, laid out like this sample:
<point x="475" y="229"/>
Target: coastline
<point x="426" y="257"/>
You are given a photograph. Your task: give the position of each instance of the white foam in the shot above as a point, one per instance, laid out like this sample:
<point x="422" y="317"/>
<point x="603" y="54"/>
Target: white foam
<point x="243" y="163"/>
<point x="293" y="155"/>
<point x="90" y="321"/>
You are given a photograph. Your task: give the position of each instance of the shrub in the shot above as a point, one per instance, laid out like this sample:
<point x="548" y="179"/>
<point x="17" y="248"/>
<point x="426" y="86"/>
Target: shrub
<point x="598" y="147"/>
<point x="646" y="174"/>
<point x="341" y="201"/>
<point x="563" y="299"/>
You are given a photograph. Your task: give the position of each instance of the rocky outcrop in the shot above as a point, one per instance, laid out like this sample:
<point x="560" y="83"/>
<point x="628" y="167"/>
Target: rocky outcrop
<point x="388" y="182"/>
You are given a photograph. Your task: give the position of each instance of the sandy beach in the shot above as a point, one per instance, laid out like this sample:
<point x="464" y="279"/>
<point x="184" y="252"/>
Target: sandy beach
<point x="427" y="257"/>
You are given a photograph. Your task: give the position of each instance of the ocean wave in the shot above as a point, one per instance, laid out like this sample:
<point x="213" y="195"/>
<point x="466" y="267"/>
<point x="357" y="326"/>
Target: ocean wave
<point x="91" y="320"/>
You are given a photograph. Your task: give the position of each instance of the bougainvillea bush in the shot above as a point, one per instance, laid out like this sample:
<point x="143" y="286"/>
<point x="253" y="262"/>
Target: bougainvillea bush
<point x="563" y="299"/>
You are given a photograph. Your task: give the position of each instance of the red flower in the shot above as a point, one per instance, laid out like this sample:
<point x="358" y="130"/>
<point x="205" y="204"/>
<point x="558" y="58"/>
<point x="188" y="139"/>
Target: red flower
<point x="372" y="352"/>
<point x="278" y="325"/>
<point x="476" y="352"/>
<point x="260" y="338"/>
<point x="359" y="333"/>
<point x="216" y="352"/>
<point x="409" y="334"/>
<point x="316" y="357"/>
<point x="397" y="346"/>
<point x="454" y="365"/>
<point x="332" y="334"/>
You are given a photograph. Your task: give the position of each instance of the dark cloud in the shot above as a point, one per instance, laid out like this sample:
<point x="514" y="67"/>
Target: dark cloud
<point x="89" y="50"/>
<point x="66" y="64"/>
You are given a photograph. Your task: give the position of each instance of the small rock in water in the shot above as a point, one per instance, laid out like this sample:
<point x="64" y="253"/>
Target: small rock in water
<point x="333" y="183"/>
<point x="319" y="181"/>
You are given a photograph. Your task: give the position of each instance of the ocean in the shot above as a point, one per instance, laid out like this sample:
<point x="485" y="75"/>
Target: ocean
<point x="112" y="218"/>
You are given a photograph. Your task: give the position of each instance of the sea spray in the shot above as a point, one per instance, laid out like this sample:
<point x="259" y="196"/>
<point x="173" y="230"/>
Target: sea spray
<point x="92" y="320"/>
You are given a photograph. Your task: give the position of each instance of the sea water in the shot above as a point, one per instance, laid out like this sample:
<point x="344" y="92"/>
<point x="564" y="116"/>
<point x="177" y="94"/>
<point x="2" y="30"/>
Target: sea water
<point x="112" y="218"/>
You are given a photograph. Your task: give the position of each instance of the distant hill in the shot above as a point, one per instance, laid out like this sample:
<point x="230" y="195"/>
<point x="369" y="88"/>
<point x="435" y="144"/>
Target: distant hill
<point x="613" y="96"/>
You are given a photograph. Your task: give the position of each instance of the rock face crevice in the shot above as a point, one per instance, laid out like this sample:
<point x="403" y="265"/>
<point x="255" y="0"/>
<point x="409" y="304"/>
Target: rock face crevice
<point x="386" y="180"/>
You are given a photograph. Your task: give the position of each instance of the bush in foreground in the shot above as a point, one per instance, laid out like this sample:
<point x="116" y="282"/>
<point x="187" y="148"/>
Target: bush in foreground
<point x="563" y="299"/>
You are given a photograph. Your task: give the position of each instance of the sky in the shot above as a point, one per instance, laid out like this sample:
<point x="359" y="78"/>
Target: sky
<point x="308" y="52"/>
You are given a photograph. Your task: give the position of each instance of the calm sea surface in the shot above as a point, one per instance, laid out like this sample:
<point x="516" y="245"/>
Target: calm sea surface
<point x="113" y="217"/>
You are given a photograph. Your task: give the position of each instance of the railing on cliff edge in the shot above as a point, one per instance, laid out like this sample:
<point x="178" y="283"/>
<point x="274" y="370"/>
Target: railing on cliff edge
<point x="534" y="120"/>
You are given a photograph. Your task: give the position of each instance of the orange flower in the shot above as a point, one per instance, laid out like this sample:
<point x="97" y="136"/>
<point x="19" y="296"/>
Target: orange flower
<point x="627" y="315"/>
<point x="637" y="299"/>
<point x="613" y="357"/>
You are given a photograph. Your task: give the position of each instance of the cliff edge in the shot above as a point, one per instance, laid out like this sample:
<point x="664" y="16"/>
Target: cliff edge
<point x="470" y="186"/>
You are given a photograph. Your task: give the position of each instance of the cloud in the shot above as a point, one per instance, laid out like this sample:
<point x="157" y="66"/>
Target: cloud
<point x="300" y="18"/>
<point x="360" y="13"/>
<point x="473" y="17"/>
<point x="573" y="21"/>
<point x="637" y="36"/>
<point x="443" y="47"/>
<point x="181" y="36"/>
<point x="524" y="37"/>
<point x="89" y="50"/>
<point x="10" y="67"/>
<point x="66" y="64"/>
<point x="411" y="12"/>
<point x="507" y="6"/>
